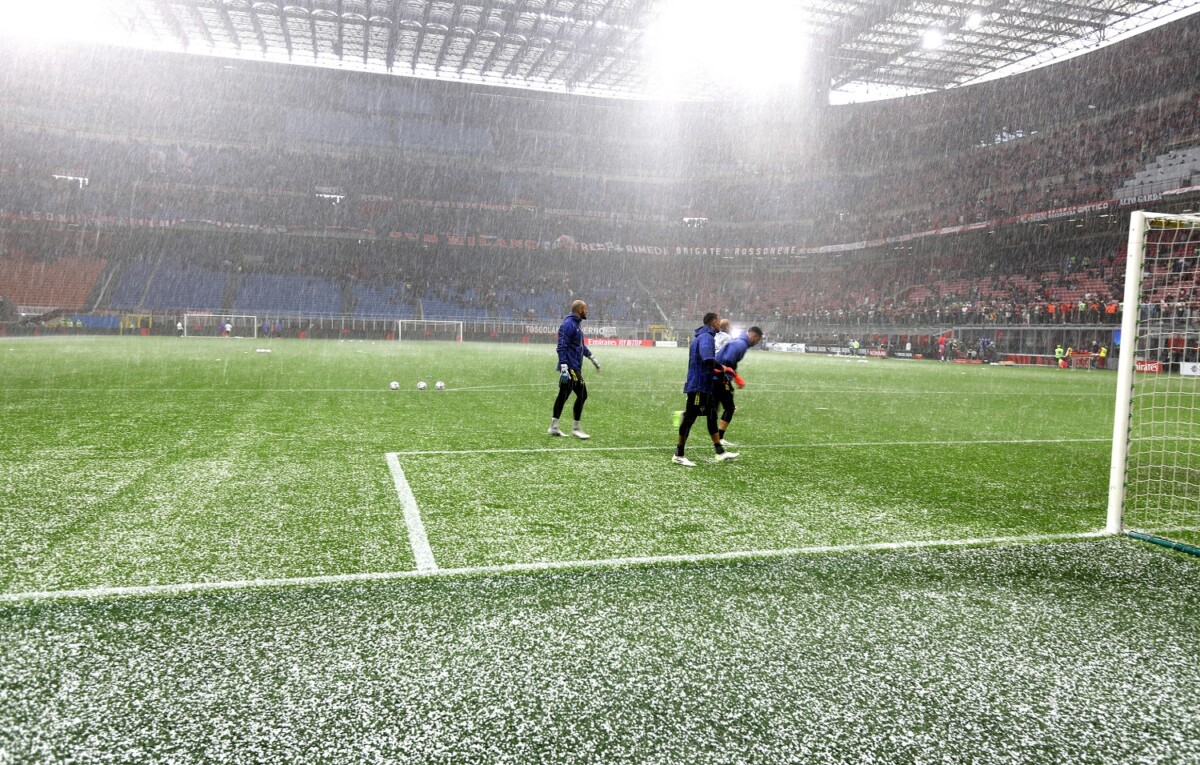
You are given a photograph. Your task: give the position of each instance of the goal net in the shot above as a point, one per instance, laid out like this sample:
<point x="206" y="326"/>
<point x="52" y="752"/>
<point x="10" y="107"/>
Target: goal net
<point x="419" y="329"/>
<point x="214" y="324"/>
<point x="1154" y="486"/>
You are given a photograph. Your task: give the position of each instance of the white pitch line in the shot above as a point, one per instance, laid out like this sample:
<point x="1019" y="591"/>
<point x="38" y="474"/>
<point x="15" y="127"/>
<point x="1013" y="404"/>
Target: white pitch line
<point x="747" y="447"/>
<point x="510" y="568"/>
<point x="412" y="517"/>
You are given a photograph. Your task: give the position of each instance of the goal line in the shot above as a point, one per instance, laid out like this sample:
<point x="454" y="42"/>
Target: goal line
<point x="540" y="566"/>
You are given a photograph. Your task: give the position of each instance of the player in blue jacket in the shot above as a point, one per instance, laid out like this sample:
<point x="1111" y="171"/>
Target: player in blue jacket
<point x="571" y="352"/>
<point x="728" y="357"/>
<point x="702" y="360"/>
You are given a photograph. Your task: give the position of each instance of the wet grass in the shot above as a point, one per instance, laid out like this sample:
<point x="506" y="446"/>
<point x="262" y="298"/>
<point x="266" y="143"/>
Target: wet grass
<point x="1082" y="652"/>
<point x="152" y="461"/>
<point x="155" y="461"/>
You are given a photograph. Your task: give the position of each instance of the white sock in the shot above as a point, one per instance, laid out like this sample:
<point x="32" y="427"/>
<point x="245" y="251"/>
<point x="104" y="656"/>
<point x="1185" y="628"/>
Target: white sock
<point x="554" y="422"/>
<point x="577" y="425"/>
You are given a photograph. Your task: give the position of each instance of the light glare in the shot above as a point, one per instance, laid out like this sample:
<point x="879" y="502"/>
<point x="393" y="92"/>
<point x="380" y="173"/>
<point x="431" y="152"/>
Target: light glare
<point x="87" y="21"/>
<point x="703" y="40"/>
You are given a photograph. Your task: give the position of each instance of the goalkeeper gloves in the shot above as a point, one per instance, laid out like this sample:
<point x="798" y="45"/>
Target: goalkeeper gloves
<point x="564" y="374"/>
<point x="729" y="373"/>
<point x="595" y="363"/>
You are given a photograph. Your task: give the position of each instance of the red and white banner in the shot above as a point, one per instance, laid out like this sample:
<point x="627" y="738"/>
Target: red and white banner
<point x="373" y="206"/>
<point x="1150" y="367"/>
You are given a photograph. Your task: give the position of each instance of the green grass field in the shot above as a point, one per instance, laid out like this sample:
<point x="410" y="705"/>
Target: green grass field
<point x="699" y="625"/>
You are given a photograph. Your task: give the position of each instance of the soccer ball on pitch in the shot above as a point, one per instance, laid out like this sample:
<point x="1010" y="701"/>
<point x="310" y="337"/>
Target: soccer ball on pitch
<point x="421" y="385"/>
<point x="440" y="385"/>
<point x="395" y="385"/>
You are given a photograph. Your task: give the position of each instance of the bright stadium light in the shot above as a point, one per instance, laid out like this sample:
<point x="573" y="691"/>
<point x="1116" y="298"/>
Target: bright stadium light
<point x="88" y="21"/>
<point x="932" y="39"/>
<point x="706" y="41"/>
<point x="973" y="22"/>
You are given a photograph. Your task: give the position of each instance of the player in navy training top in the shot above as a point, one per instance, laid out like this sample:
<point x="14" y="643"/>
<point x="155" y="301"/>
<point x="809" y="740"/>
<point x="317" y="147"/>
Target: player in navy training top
<point x="571" y="352"/>
<point x="702" y="360"/>
<point x="728" y="357"/>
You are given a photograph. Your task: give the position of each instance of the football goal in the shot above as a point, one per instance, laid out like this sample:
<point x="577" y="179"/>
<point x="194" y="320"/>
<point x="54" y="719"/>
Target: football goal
<point x="419" y="329"/>
<point x="1154" y="484"/>
<point x="213" y="325"/>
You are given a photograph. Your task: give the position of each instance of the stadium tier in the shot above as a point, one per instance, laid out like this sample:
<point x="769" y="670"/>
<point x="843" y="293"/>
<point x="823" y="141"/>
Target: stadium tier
<point x="933" y="211"/>
<point x="543" y="168"/>
<point x="276" y="294"/>
<point x="175" y="182"/>
<point x="132" y="285"/>
<point x="50" y="283"/>
<point x="173" y="287"/>
<point x="463" y="307"/>
<point x="385" y="303"/>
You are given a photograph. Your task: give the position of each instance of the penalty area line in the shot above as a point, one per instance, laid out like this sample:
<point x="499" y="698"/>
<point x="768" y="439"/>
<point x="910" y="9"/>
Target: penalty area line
<point x="516" y="568"/>
<point x="412" y="517"/>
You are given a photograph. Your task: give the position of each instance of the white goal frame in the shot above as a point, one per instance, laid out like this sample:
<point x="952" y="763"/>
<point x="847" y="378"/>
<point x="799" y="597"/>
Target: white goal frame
<point x="1139" y="224"/>
<point x="210" y="319"/>
<point x="457" y="326"/>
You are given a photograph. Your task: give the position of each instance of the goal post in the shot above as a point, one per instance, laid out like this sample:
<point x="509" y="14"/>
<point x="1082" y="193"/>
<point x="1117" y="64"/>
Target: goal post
<point x="420" y="329"/>
<point x="213" y="325"/>
<point x="1154" y="478"/>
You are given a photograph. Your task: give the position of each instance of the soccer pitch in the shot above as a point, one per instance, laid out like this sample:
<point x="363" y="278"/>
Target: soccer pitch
<point x="554" y="599"/>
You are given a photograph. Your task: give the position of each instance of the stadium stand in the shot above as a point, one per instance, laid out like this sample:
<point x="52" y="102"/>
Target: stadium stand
<point x="48" y="283"/>
<point x="389" y="166"/>
<point x="390" y="303"/>
<point x="1169" y="171"/>
<point x="132" y="285"/>
<point x="454" y="306"/>
<point x="174" y="287"/>
<point x="1060" y="164"/>
<point x="276" y="294"/>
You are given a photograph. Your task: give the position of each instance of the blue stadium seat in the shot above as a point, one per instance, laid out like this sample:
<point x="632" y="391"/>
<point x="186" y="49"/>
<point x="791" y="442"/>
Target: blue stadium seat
<point x="268" y="293"/>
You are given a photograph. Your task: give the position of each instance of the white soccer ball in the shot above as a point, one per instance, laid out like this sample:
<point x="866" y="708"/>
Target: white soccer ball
<point x="440" y="385"/>
<point x="395" y="385"/>
<point x="421" y="385"/>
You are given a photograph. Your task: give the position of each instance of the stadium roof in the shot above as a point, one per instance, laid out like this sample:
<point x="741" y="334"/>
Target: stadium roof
<point x="616" y="47"/>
